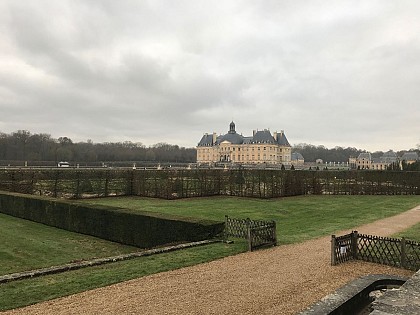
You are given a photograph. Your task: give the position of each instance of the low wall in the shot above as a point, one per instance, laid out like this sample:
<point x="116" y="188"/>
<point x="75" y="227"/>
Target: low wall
<point x="354" y="296"/>
<point x="141" y="229"/>
<point x="402" y="301"/>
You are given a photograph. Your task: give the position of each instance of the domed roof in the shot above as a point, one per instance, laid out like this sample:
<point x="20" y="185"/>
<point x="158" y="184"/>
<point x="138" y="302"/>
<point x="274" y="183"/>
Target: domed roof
<point x="233" y="138"/>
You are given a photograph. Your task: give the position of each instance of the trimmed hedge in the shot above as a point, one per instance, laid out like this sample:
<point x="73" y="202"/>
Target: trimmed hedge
<point x="175" y="184"/>
<point x="141" y="229"/>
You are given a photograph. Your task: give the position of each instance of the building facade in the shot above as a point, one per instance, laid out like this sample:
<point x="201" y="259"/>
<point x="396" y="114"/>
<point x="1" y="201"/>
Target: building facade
<point x="297" y="159"/>
<point x="365" y="161"/>
<point x="410" y="157"/>
<point x="261" y="147"/>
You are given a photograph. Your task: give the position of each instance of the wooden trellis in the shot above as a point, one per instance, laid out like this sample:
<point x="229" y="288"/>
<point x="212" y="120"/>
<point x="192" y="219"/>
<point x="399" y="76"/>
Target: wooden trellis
<point x="258" y="233"/>
<point x="383" y="250"/>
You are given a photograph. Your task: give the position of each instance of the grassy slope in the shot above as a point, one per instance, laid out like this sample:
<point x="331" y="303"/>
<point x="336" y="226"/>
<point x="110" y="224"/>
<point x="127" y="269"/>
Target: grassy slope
<point x="298" y="218"/>
<point x="27" y="245"/>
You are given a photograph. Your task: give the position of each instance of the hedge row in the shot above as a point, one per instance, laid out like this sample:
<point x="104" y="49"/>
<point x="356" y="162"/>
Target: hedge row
<point x="141" y="229"/>
<point x="173" y="184"/>
<point x="272" y="183"/>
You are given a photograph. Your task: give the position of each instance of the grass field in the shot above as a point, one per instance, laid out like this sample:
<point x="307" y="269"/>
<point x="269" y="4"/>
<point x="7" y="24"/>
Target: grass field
<point x="412" y="233"/>
<point x="27" y="245"/>
<point x="30" y="291"/>
<point x="298" y="219"/>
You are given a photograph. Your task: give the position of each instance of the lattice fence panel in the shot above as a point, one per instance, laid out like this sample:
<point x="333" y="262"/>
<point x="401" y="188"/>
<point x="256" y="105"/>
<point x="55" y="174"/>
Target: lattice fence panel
<point x="343" y="248"/>
<point x="257" y="232"/>
<point x="236" y="227"/>
<point x="380" y="250"/>
<point x="412" y="255"/>
<point x="263" y="235"/>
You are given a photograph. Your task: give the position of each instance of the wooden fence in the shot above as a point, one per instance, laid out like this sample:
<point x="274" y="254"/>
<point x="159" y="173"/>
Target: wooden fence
<point x="258" y="233"/>
<point x="182" y="183"/>
<point x="383" y="250"/>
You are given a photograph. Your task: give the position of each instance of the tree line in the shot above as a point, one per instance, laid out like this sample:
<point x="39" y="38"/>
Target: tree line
<point x="24" y="146"/>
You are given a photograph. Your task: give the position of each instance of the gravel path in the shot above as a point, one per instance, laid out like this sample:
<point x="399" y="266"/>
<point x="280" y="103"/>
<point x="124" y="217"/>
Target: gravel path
<point x="281" y="280"/>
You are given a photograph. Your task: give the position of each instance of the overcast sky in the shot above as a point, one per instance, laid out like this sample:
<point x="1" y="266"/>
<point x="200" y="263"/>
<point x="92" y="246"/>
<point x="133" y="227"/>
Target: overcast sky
<point x="336" y="73"/>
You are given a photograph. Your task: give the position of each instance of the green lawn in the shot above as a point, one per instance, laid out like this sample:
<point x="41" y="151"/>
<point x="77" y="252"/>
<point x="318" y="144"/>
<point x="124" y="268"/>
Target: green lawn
<point x="27" y="245"/>
<point x="298" y="218"/>
<point x="30" y="291"/>
<point x="412" y="233"/>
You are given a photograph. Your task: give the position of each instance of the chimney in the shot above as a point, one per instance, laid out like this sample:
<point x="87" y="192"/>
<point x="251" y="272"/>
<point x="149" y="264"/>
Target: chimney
<point x="275" y="135"/>
<point x="253" y="132"/>
<point x="214" y="137"/>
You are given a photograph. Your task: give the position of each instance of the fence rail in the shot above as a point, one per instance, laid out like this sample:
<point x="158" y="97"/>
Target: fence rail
<point x="258" y="233"/>
<point x="397" y="252"/>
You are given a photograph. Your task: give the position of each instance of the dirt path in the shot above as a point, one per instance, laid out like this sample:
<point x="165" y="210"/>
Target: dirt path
<point x="281" y="280"/>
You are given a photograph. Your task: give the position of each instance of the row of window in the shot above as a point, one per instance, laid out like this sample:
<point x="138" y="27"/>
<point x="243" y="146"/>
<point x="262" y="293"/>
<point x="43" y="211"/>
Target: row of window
<point x="264" y="157"/>
<point x="228" y="149"/>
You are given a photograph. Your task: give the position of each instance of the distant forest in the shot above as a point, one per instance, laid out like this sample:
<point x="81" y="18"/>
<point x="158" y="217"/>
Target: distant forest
<point x="24" y="146"/>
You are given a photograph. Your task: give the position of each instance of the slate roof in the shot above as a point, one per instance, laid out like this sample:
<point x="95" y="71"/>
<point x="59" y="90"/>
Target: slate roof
<point x="389" y="156"/>
<point x="282" y="140"/>
<point x="410" y="156"/>
<point x="233" y="138"/>
<point x="297" y="156"/>
<point x="206" y="141"/>
<point x="365" y="156"/>
<point x="261" y="136"/>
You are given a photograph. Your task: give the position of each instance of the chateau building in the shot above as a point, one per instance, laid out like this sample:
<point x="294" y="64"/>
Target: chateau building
<point x="297" y="159"/>
<point x="410" y="157"/>
<point x="261" y="147"/>
<point x="365" y="160"/>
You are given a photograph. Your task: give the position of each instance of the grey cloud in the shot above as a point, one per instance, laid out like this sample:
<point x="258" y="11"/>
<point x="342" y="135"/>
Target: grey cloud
<point x="328" y="72"/>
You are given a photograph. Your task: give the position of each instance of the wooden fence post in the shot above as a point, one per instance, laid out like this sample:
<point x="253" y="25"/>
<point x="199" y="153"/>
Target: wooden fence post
<point x="333" y="258"/>
<point x="275" y="233"/>
<point x="225" y="234"/>
<point x="354" y="238"/>
<point x="248" y="233"/>
<point x="403" y="253"/>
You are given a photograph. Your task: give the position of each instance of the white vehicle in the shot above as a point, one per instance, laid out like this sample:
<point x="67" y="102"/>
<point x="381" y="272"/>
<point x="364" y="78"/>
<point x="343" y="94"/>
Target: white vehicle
<point x="63" y="164"/>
